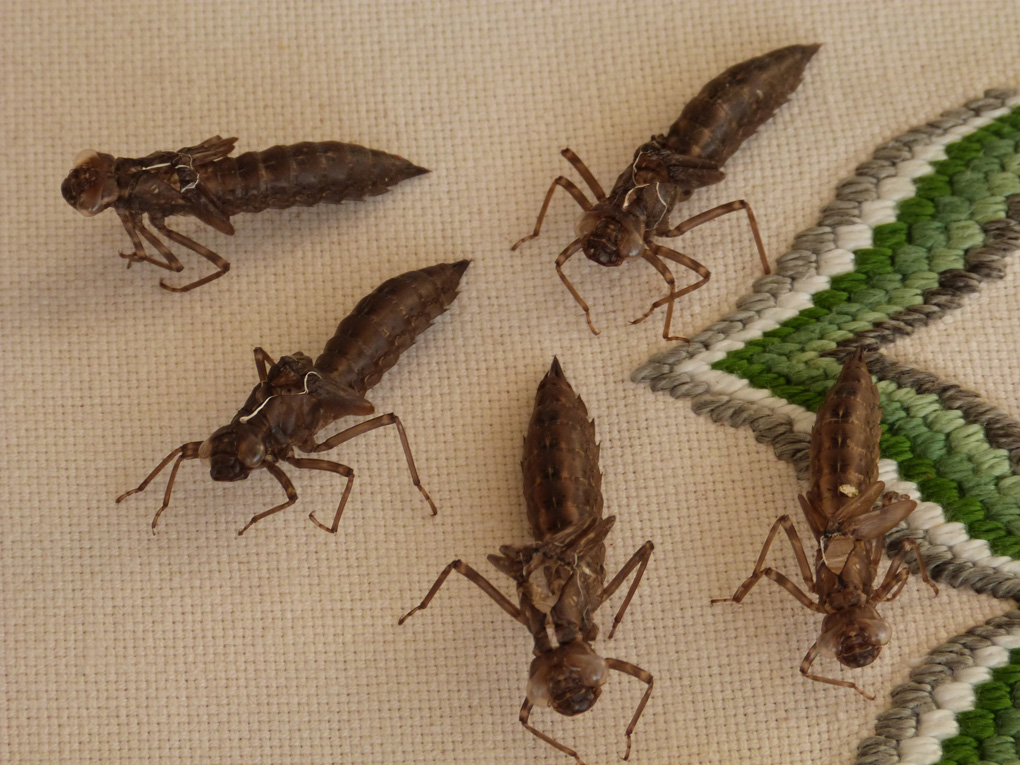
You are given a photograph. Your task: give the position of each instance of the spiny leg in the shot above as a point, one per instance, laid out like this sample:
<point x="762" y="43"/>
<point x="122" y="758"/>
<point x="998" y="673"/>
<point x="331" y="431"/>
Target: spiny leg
<point x="262" y="361"/>
<point x="890" y="500"/>
<point x="638" y="559"/>
<point x="526" y="715"/>
<point x="276" y="472"/>
<point x="563" y="258"/>
<point x="896" y="576"/>
<point x="895" y="587"/>
<point x="364" y="427"/>
<point x="139" y="255"/>
<point x="568" y="186"/>
<point x="922" y="569"/>
<point x="716" y="212"/>
<point x="483" y="584"/>
<point x="183" y="452"/>
<point x="584" y="172"/>
<point x="760" y="570"/>
<point x="194" y="246"/>
<point x="687" y="262"/>
<point x="876" y="553"/>
<point x="645" y="677"/>
<point x="783" y="581"/>
<point x="658" y="251"/>
<point x="309" y="464"/>
<point x="161" y="248"/>
<point x="809" y="659"/>
<point x="133" y="225"/>
<point x="170" y="261"/>
<point x="666" y="274"/>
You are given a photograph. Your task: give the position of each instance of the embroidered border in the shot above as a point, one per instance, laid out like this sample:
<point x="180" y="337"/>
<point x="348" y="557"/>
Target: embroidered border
<point x="921" y="225"/>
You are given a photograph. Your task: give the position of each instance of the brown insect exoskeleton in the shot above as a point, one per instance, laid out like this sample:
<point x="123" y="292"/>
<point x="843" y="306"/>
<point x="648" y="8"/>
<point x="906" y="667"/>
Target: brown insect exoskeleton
<point x="849" y="529"/>
<point x="296" y="398"/>
<point x="669" y="168"/>
<point x="207" y="183"/>
<point x="561" y="576"/>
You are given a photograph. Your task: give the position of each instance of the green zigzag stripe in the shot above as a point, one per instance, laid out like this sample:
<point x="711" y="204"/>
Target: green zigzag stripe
<point x="952" y="462"/>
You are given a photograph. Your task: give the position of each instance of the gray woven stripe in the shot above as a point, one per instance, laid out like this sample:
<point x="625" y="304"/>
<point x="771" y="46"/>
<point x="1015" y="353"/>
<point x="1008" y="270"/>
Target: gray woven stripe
<point x="913" y="698"/>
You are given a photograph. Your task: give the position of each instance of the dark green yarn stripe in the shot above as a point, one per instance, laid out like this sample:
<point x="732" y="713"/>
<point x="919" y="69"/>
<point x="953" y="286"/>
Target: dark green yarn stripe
<point x="990" y="732"/>
<point x="933" y="230"/>
<point x="953" y="466"/>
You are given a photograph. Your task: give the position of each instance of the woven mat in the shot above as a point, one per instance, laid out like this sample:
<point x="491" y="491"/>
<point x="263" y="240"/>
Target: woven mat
<point x="192" y="645"/>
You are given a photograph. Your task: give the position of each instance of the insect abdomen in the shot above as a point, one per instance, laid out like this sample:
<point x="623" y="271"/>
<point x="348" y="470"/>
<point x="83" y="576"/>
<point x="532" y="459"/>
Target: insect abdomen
<point x="386" y="323"/>
<point x="845" y="437"/>
<point x="730" y="108"/>
<point x="562" y="480"/>
<point x="303" y="174"/>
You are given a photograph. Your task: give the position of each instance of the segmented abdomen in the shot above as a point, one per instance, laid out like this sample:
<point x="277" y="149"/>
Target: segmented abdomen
<point x="302" y="174"/>
<point x="562" y="480"/>
<point x="844" y="440"/>
<point x="737" y="102"/>
<point x="386" y="323"/>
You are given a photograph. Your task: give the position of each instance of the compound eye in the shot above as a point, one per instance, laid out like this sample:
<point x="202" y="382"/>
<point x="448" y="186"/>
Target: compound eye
<point x="586" y="224"/>
<point x="251" y="452"/>
<point x="591" y="669"/>
<point x="205" y="452"/>
<point x="631" y="243"/>
<point x="85" y="156"/>
<point x="538" y="690"/>
<point x="877" y="629"/>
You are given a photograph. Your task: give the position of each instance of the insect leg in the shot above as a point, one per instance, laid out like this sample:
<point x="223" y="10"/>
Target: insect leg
<point x="645" y="677"/>
<point x="809" y="659"/>
<point x="876" y="553"/>
<point x="564" y="256"/>
<point x="363" y="427"/>
<point x="276" y="472"/>
<point x="194" y="246"/>
<point x="261" y="360"/>
<point x="526" y="715"/>
<point x="162" y="249"/>
<point x="183" y="452"/>
<point x="139" y="255"/>
<point x="484" y="584"/>
<point x="570" y="188"/>
<point x="585" y="173"/>
<point x="896" y="576"/>
<point x="639" y="560"/>
<point x="704" y="217"/>
<point x="760" y="570"/>
<point x="893" y="587"/>
<point x="671" y="283"/>
<point x="896" y="507"/>
<point x="133" y="225"/>
<point x="658" y="251"/>
<point x="922" y="569"/>
<point x="330" y="467"/>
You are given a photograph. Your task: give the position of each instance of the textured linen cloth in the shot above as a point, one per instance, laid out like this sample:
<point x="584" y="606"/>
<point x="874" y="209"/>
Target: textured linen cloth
<point x="194" y="645"/>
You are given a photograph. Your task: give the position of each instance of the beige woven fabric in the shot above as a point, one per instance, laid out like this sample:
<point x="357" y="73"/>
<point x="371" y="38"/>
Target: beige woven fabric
<point x="192" y="645"/>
